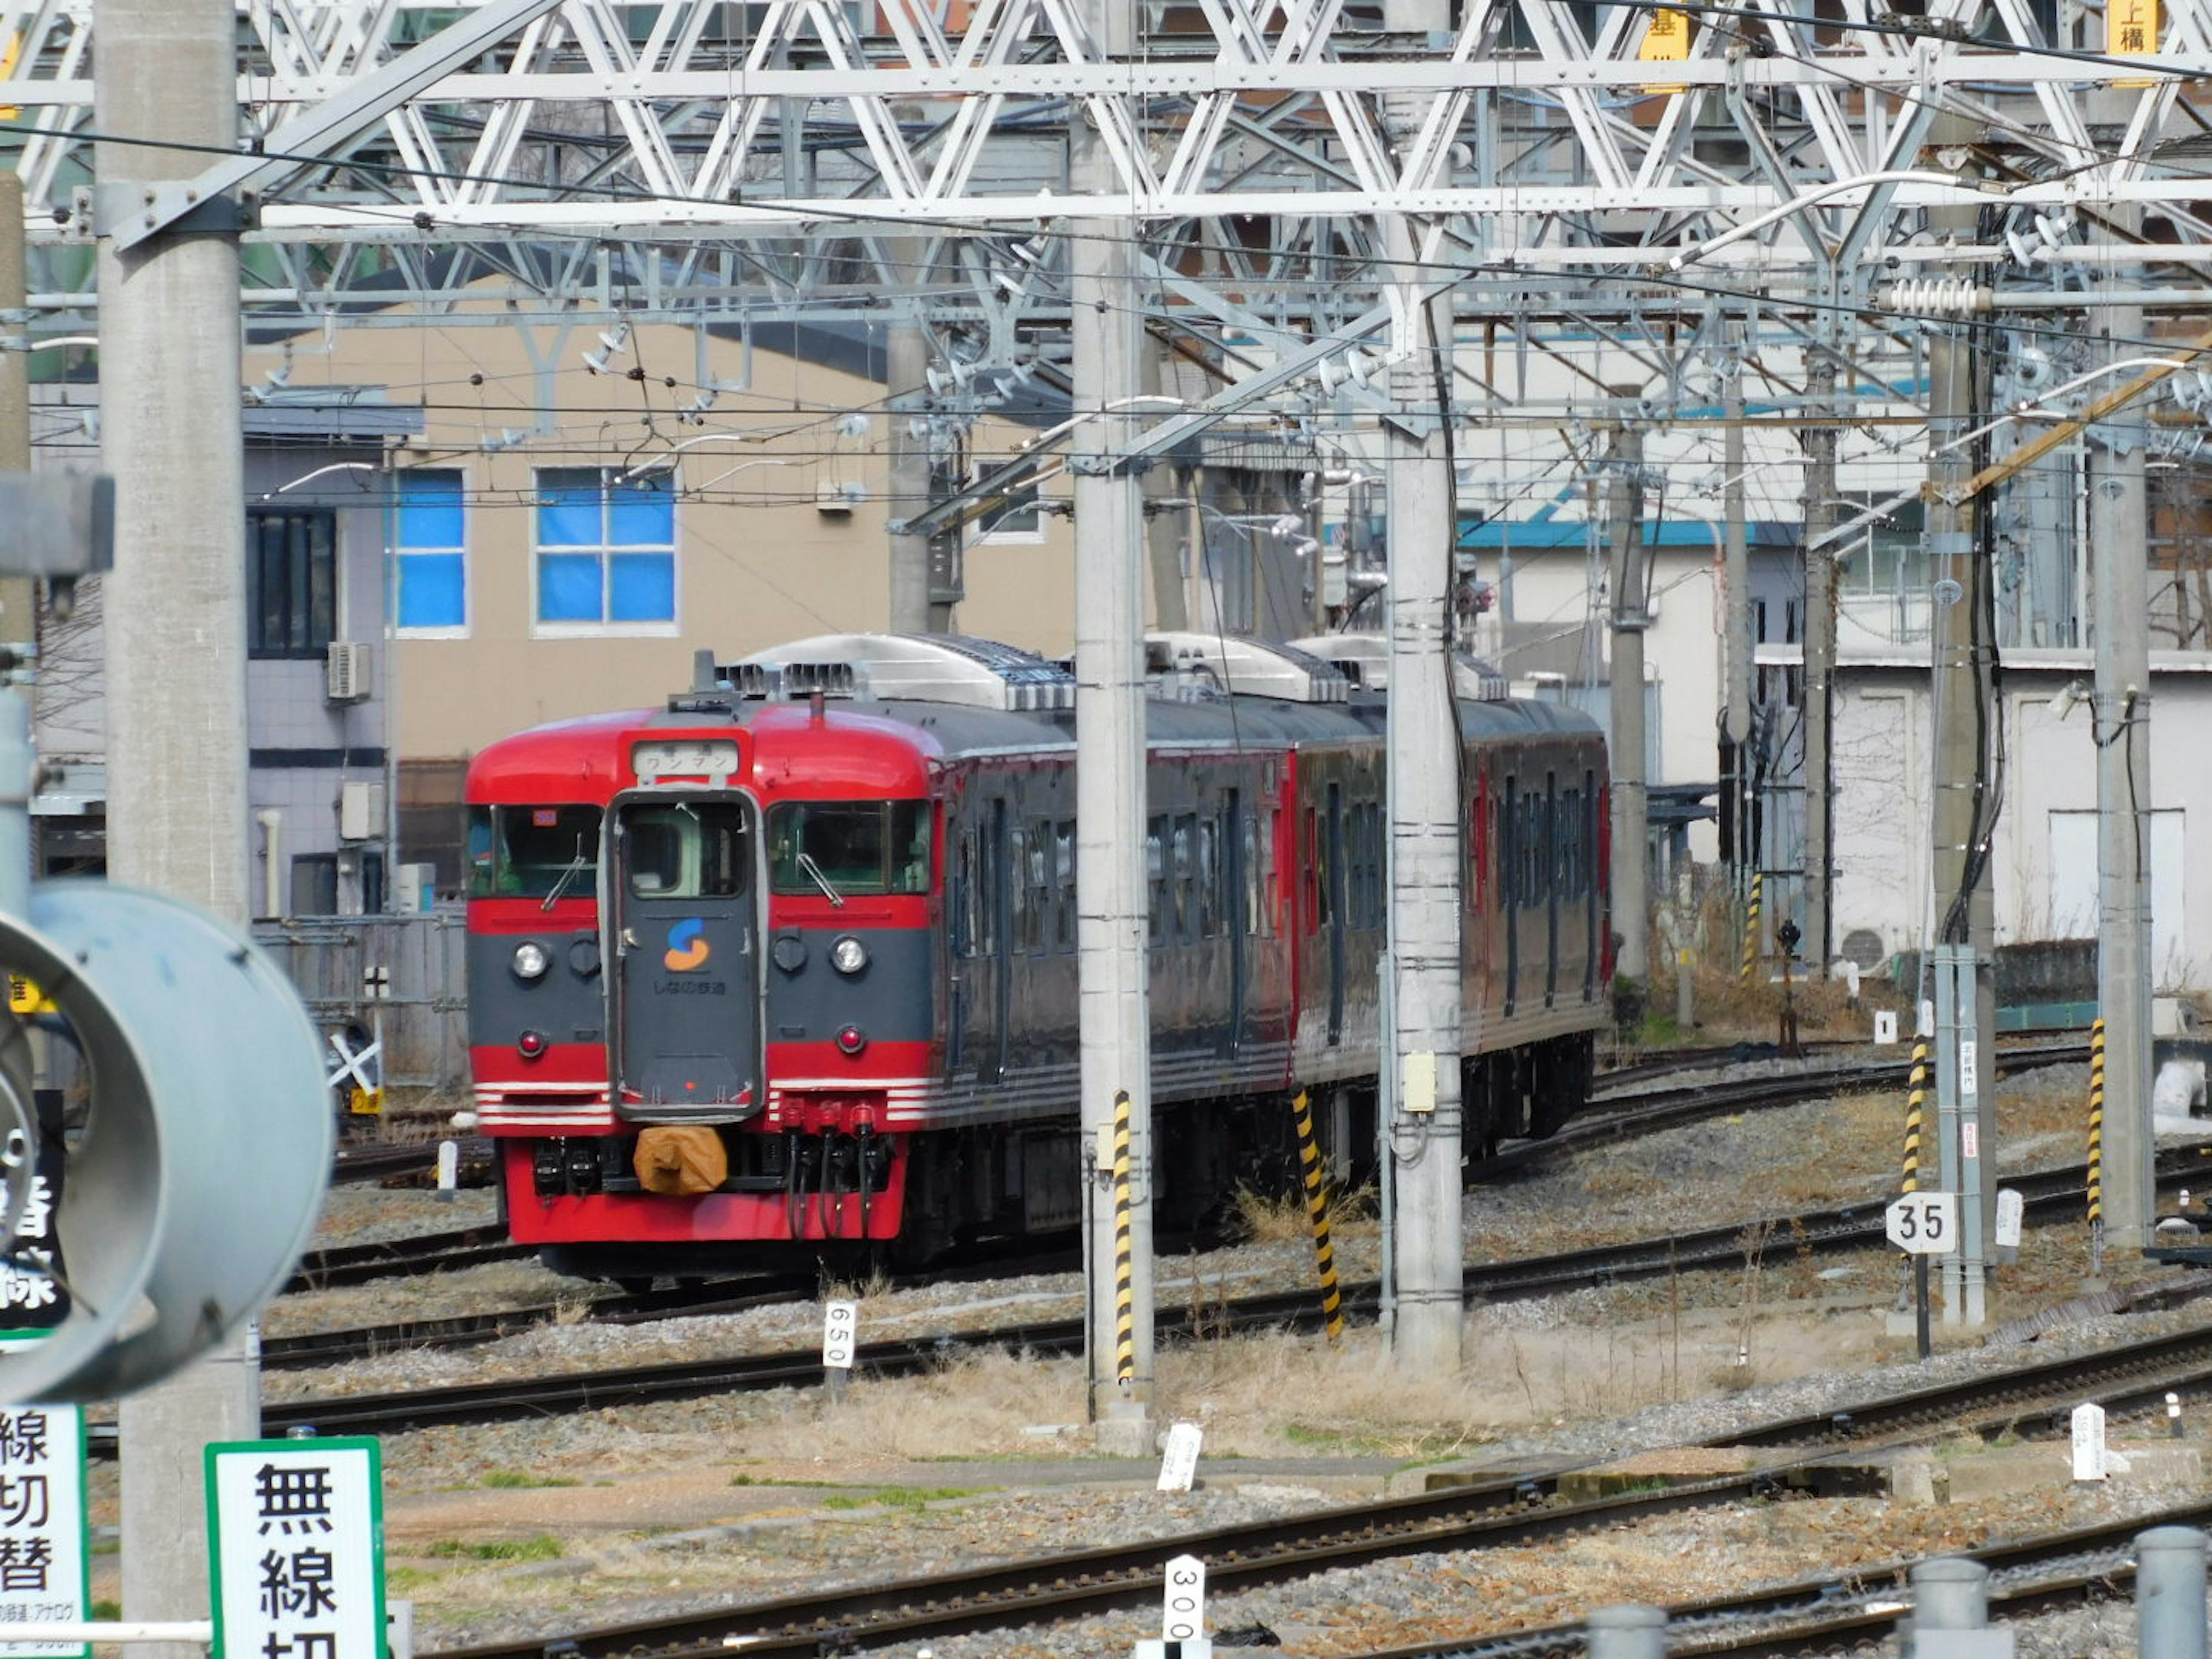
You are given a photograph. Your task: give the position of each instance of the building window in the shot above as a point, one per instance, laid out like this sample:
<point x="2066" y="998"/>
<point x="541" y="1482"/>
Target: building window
<point x="1013" y="518"/>
<point x="292" y="578"/>
<point x="429" y="552"/>
<point x="606" y="551"/>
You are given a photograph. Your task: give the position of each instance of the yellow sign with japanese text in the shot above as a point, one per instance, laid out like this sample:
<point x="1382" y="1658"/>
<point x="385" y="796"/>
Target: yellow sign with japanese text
<point x="2131" y="31"/>
<point x="1666" y="41"/>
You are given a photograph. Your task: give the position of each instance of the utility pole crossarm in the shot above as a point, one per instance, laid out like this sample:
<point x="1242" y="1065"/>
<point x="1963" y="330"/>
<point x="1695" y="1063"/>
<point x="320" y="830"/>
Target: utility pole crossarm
<point x="131" y="212"/>
<point x="2044" y="442"/>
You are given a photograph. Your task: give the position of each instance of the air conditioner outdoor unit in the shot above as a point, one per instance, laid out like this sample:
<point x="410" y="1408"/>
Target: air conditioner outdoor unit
<point x="347" y="666"/>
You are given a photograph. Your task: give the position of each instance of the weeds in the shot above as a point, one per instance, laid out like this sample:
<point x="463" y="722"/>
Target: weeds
<point x="516" y="1481"/>
<point x="543" y="1547"/>
<point x="902" y="1498"/>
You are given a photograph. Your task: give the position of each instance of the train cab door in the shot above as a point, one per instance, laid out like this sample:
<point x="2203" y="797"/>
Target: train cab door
<point x="997" y="877"/>
<point x="1553" y="836"/>
<point x="683" y="929"/>
<point x="1333" y="896"/>
<point x="1510" y="885"/>
<point x="1232" y="855"/>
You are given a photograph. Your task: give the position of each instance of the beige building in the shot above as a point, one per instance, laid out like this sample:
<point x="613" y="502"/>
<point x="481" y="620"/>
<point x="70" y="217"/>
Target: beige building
<point x="584" y="509"/>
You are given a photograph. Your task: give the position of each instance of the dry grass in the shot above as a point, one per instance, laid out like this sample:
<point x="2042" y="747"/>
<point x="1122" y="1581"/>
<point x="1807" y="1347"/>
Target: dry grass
<point x="1273" y="1218"/>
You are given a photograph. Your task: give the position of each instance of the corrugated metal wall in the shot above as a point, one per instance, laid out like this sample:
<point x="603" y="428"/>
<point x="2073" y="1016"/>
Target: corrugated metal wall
<point x="333" y="960"/>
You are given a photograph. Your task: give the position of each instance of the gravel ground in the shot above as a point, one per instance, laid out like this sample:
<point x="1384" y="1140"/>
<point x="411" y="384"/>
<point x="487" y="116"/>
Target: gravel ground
<point x="497" y="1532"/>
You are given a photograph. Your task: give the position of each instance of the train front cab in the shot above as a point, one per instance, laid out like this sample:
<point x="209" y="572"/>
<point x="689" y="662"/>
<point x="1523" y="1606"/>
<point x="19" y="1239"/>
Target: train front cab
<point x="768" y="998"/>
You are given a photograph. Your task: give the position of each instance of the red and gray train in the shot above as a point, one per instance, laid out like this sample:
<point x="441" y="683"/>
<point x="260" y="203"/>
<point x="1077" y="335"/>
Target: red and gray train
<point x="788" y="965"/>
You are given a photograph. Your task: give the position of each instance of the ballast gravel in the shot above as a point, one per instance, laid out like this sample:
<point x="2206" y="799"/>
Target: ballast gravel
<point x="536" y="1529"/>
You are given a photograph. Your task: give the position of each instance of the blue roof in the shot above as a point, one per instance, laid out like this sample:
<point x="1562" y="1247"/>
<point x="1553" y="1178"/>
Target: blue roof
<point x="1541" y="532"/>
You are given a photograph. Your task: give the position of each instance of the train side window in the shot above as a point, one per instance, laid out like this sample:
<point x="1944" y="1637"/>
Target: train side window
<point x="1155" y="835"/>
<point x="1037" y="871"/>
<point x="1508" y="845"/>
<point x="1210" y="864"/>
<point x="1017" y="889"/>
<point x="1569" y="832"/>
<point x="1186" y="859"/>
<point x="1064" y="841"/>
<point x="960" y="903"/>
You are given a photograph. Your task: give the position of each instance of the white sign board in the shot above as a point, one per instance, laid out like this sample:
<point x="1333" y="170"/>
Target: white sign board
<point x="1923" y="1224"/>
<point x="2088" y="1442"/>
<point x="1182" y="1613"/>
<point x="841" y="1332"/>
<point x="1178" y="1467"/>
<point x="1970" y="1069"/>
<point x="1885" y="1026"/>
<point x="45" y="1560"/>
<point x="296" y="1546"/>
<point x="2010" y="1208"/>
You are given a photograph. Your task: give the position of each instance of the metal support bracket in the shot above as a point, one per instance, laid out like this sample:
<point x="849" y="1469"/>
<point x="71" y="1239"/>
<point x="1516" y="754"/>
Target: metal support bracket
<point x="315" y="134"/>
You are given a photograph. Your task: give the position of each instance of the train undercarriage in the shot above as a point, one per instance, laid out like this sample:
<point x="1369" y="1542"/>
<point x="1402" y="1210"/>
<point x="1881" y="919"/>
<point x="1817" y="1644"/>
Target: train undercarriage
<point x="862" y="1199"/>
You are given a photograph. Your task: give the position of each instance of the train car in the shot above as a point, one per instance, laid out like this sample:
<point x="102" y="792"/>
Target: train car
<point x="787" y="966"/>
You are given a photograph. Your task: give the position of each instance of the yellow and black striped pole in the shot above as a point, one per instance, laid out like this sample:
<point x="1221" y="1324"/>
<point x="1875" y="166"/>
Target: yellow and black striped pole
<point x="1751" y="929"/>
<point x="1332" y="1304"/>
<point x="1125" y="1318"/>
<point x="2097" y="1145"/>
<point x="1916" y="1098"/>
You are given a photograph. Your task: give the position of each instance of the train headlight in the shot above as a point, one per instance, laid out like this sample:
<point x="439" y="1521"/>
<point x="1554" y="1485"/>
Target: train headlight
<point x="848" y="955"/>
<point x="531" y="961"/>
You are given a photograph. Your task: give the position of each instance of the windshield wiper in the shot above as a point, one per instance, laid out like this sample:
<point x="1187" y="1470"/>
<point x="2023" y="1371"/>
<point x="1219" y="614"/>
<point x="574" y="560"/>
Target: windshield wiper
<point x="575" y="868"/>
<point x="814" y="873"/>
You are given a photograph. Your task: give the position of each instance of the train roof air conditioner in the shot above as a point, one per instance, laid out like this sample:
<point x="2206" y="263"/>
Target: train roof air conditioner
<point x="1364" y="660"/>
<point x="911" y="667"/>
<point x="1182" y="663"/>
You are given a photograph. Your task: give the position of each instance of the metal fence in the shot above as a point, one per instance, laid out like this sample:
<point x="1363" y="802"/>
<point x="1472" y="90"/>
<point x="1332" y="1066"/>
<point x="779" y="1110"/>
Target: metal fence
<point x="397" y="977"/>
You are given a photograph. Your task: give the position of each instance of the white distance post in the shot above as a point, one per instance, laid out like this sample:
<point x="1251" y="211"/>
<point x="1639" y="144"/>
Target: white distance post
<point x="841" y="1332"/>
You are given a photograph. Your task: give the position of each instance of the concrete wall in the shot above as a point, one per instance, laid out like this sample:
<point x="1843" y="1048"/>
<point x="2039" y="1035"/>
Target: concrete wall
<point x="2044" y="864"/>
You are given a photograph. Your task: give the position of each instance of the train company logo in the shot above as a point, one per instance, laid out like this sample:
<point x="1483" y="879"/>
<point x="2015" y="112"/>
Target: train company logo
<point x="687" y="946"/>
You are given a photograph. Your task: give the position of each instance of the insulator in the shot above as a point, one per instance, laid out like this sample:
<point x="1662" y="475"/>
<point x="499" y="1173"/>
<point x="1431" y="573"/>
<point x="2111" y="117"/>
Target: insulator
<point x="1938" y="296"/>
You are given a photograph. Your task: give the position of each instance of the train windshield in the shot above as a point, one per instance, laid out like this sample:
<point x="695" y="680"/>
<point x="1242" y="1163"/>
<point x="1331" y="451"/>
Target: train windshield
<point x="533" y="851"/>
<point x="831" y="849"/>
<point x="693" y="849"/>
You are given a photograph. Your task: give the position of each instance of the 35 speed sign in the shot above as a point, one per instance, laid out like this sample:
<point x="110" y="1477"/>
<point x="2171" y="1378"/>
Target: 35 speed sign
<point x="1923" y="1224"/>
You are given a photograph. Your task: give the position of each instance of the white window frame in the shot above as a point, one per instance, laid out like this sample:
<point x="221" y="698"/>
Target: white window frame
<point x="541" y="629"/>
<point x="443" y="630"/>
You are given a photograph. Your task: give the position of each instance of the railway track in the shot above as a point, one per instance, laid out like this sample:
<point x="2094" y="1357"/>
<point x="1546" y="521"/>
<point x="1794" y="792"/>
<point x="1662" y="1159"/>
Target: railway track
<point x="1856" y="1226"/>
<point x="1856" y="1611"/>
<point x="1614" y="1116"/>
<point x="1510" y="1511"/>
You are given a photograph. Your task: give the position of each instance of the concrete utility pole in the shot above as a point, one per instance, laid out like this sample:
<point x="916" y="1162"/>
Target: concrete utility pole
<point x="1961" y="650"/>
<point x="907" y="377"/>
<point x="175" y="619"/>
<point x="19" y="619"/>
<point x="1820" y="515"/>
<point x="2118" y="532"/>
<point x="1423" y="785"/>
<point x="1736" y="653"/>
<point x="1110" y="782"/>
<point x="1630" y="579"/>
<point x="1422" y="1145"/>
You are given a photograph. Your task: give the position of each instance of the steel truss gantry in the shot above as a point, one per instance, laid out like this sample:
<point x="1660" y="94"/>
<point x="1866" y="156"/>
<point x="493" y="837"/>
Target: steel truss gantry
<point x="709" y="160"/>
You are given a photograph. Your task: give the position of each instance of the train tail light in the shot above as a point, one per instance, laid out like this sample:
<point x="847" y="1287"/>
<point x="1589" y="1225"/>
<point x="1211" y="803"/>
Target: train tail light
<point x="851" y="1040"/>
<point x="531" y="1044"/>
